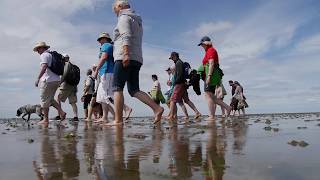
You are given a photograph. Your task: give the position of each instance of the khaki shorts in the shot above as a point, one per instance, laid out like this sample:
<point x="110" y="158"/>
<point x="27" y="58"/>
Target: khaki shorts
<point x="47" y="92"/>
<point x="68" y="92"/>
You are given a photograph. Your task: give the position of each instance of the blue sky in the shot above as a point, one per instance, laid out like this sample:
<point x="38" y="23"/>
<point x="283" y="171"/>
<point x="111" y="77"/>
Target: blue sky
<point x="271" y="47"/>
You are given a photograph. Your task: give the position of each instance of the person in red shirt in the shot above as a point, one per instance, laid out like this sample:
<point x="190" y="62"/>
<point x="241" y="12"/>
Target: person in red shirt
<point x="211" y="58"/>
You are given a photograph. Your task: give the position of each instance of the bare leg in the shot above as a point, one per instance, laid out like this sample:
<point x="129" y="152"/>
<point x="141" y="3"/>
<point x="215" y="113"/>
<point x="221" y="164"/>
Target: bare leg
<point x="90" y="110"/>
<point x="158" y="110"/>
<point x="118" y="107"/>
<point x="85" y="113"/>
<point x="105" y="109"/>
<point x="62" y="114"/>
<point x="243" y="111"/>
<point x="223" y="110"/>
<point x="74" y="109"/>
<point x="193" y="107"/>
<point x="211" y="105"/>
<point x="173" y="111"/>
<point x="45" y="120"/>
<point x="127" y="111"/>
<point x="223" y="105"/>
<point x="184" y="110"/>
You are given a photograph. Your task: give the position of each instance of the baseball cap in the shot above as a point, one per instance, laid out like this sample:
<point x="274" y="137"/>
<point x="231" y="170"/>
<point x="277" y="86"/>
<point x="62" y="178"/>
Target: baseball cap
<point x="204" y="40"/>
<point x="174" y="54"/>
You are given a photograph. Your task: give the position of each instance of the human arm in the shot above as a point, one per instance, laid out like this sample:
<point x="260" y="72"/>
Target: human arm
<point x="102" y="60"/>
<point x="124" y="25"/>
<point x="43" y="69"/>
<point x="65" y="71"/>
<point x="210" y="71"/>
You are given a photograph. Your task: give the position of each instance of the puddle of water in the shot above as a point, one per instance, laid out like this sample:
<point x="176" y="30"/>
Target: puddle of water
<point x="240" y="148"/>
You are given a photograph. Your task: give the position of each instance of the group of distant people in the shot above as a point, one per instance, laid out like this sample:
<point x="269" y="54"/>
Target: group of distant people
<point x="120" y="60"/>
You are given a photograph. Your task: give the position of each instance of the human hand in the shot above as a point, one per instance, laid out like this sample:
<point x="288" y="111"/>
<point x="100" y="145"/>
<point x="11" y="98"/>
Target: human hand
<point x="125" y="61"/>
<point x="36" y="83"/>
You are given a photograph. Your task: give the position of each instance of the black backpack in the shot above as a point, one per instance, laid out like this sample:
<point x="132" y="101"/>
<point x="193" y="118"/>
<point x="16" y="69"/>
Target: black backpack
<point x="93" y="86"/>
<point x="186" y="70"/>
<point x="57" y="63"/>
<point x="73" y="75"/>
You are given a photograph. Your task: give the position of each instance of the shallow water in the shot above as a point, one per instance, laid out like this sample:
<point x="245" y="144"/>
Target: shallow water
<point x="238" y="148"/>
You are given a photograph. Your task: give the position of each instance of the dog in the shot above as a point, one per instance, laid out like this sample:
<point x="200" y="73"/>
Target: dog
<point x="28" y="110"/>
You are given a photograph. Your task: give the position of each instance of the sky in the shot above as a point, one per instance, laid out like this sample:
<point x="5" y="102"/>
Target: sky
<point x="271" y="47"/>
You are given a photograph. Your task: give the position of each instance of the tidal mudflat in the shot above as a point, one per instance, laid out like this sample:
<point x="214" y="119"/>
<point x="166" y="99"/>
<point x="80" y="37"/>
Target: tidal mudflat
<point x="266" y="147"/>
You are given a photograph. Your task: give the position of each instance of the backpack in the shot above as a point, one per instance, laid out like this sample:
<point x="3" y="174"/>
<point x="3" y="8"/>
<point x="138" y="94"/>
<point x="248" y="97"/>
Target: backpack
<point x="187" y="70"/>
<point x="73" y="75"/>
<point x="93" y="86"/>
<point x="57" y="63"/>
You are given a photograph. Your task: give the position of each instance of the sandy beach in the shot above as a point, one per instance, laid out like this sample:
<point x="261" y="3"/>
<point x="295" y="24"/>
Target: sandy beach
<point x="274" y="146"/>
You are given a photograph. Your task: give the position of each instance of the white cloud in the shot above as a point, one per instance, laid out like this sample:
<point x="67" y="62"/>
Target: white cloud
<point x="309" y="45"/>
<point x="210" y="28"/>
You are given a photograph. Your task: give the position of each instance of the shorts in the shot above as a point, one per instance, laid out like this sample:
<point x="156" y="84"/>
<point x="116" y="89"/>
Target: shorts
<point x="180" y="94"/>
<point x="211" y="89"/>
<point x="47" y="93"/>
<point x="69" y="92"/>
<point x="129" y="74"/>
<point x="87" y="100"/>
<point x="105" y="89"/>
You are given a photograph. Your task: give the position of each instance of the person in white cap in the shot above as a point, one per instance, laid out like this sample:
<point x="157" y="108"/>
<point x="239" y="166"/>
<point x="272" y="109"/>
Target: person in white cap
<point x="213" y="76"/>
<point x="128" y="60"/>
<point x="67" y="90"/>
<point x="48" y="83"/>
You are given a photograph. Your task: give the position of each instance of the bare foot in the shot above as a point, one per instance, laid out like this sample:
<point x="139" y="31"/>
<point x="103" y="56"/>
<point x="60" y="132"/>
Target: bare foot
<point x="210" y="118"/>
<point x="198" y="116"/>
<point x="113" y="124"/>
<point x="185" y="118"/>
<point x="229" y="111"/>
<point x="158" y="115"/>
<point x="100" y="120"/>
<point x="43" y="122"/>
<point x="88" y="120"/>
<point x="63" y="116"/>
<point x="128" y="113"/>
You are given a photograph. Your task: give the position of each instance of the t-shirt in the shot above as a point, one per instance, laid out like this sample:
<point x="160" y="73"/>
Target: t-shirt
<point x="48" y="76"/>
<point x="90" y="83"/>
<point x="156" y="86"/>
<point x="108" y="65"/>
<point x="211" y="53"/>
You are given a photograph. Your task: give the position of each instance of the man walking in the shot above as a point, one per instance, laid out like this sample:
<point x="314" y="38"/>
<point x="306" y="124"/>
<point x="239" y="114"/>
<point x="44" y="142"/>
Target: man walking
<point x="128" y="60"/>
<point x="180" y="94"/>
<point x="48" y="82"/>
<point x="68" y="90"/>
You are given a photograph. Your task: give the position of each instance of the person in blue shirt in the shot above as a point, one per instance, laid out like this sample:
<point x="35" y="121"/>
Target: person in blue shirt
<point x="105" y="72"/>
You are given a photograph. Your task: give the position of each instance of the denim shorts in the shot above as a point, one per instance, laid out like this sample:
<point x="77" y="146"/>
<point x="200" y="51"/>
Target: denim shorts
<point x="129" y="74"/>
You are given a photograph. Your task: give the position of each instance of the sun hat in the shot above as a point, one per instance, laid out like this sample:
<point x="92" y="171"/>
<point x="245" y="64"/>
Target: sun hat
<point x="39" y="45"/>
<point x="104" y="35"/>
<point x="174" y="54"/>
<point x="205" y="40"/>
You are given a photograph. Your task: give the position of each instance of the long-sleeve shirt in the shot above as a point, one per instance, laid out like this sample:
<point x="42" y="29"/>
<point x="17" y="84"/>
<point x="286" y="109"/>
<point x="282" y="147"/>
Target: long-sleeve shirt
<point x="179" y="73"/>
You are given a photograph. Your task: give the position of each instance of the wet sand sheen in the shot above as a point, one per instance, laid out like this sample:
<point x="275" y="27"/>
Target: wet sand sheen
<point x="252" y="147"/>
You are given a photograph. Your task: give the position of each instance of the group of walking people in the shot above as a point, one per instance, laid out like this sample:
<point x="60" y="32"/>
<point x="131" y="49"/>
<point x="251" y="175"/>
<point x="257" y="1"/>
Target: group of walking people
<point x="120" y="60"/>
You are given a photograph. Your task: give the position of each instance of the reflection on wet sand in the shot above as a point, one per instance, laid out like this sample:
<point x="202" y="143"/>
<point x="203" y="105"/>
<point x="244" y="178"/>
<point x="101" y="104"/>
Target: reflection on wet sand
<point x="213" y="150"/>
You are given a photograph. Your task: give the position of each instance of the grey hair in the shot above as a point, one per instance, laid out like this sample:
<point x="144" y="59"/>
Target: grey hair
<point x="122" y="3"/>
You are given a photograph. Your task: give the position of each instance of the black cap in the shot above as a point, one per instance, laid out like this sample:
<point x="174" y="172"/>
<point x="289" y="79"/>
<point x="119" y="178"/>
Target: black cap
<point x="203" y="39"/>
<point x="174" y="54"/>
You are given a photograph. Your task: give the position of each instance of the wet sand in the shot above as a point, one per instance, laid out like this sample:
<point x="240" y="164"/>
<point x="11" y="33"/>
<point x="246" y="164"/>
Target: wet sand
<point x="257" y="147"/>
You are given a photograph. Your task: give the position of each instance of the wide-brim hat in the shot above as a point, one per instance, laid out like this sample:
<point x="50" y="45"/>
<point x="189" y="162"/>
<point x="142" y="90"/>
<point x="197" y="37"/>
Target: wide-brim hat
<point x="104" y="35"/>
<point x="39" y="45"/>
